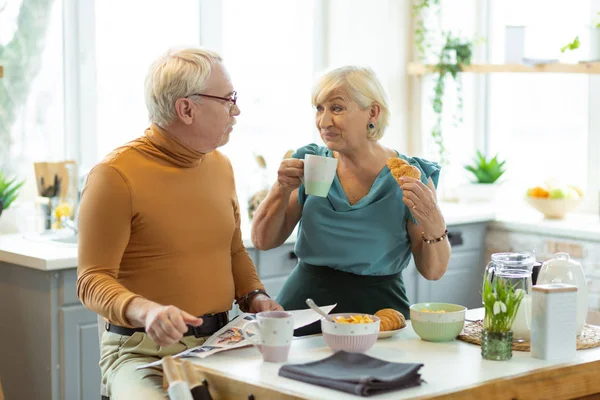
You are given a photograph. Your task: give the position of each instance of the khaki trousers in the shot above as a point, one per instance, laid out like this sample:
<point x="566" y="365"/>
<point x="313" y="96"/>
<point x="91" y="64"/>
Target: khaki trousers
<point x="120" y="356"/>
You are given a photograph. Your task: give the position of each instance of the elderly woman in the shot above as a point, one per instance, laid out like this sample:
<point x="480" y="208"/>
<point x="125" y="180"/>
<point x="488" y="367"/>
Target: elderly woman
<point x="354" y="244"/>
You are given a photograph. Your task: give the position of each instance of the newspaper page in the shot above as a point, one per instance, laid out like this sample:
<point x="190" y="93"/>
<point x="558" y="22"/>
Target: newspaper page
<point x="231" y="337"/>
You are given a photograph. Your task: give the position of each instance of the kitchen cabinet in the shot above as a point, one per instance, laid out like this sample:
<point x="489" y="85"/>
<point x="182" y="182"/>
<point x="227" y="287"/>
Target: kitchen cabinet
<point x="49" y="340"/>
<point x="80" y="354"/>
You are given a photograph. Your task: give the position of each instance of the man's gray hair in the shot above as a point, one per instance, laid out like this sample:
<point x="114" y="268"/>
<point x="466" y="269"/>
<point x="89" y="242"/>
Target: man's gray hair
<point x="176" y="74"/>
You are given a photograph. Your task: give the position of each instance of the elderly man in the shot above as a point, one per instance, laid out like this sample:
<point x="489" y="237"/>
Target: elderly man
<point x="161" y="256"/>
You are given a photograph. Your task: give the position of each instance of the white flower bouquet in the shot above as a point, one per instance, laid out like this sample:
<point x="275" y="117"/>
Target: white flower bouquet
<point x="501" y="301"/>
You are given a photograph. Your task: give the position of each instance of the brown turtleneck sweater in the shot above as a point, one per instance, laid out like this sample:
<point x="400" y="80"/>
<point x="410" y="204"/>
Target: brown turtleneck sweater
<point x="161" y="221"/>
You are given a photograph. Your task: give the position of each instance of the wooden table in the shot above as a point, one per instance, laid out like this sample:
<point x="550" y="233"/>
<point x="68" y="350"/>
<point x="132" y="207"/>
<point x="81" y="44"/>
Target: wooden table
<point x="451" y="370"/>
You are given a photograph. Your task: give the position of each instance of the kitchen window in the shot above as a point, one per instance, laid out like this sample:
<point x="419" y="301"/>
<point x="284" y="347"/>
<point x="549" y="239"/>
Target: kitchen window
<point x="541" y="123"/>
<point x="32" y="112"/>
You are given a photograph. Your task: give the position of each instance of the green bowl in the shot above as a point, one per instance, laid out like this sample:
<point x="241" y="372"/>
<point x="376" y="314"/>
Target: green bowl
<point x="437" y="327"/>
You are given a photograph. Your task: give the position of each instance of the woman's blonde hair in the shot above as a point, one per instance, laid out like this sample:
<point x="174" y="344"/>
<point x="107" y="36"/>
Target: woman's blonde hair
<point x="176" y="74"/>
<point x="362" y="86"/>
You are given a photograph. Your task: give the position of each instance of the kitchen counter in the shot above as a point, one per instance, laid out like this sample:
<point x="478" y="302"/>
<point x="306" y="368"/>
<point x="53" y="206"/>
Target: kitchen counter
<point x="573" y="226"/>
<point x="453" y="370"/>
<point x="42" y="255"/>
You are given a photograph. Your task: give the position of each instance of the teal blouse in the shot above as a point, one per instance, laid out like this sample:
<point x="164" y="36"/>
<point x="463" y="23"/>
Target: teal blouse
<point x="366" y="238"/>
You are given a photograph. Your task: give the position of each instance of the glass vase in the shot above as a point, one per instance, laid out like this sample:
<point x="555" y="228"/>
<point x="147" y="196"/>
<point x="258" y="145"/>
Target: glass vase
<point x="496" y="346"/>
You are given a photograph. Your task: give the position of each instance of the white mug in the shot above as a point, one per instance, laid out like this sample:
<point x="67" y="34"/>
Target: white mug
<point x="319" y="172"/>
<point x="274" y="336"/>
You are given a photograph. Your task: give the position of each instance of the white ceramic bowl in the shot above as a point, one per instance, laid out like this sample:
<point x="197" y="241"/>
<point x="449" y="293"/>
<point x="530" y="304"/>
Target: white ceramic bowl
<point x="353" y="338"/>
<point x="553" y="208"/>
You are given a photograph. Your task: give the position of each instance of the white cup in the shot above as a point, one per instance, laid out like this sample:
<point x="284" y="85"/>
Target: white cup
<point x="319" y="172"/>
<point x="274" y="336"/>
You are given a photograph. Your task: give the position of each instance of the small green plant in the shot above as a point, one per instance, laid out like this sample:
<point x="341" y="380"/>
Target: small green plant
<point x="575" y="43"/>
<point x="571" y="46"/>
<point x="486" y="171"/>
<point x="9" y="190"/>
<point x="501" y="302"/>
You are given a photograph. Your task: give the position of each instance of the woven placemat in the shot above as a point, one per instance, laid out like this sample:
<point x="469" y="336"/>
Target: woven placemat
<point x="590" y="337"/>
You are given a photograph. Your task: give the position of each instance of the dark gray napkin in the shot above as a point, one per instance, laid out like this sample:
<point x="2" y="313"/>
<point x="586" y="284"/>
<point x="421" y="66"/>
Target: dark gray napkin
<point x="355" y="373"/>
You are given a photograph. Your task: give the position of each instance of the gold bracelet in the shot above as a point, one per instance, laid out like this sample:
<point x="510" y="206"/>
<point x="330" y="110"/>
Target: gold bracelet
<point x="444" y="236"/>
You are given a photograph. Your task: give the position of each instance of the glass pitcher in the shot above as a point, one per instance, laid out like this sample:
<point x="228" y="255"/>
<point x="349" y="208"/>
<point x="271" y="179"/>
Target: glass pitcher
<point x="517" y="269"/>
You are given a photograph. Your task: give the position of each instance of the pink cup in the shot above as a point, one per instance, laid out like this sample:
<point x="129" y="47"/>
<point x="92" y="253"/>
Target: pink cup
<point x="273" y="337"/>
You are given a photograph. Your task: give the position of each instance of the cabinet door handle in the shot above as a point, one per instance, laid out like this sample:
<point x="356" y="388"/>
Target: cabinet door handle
<point x="292" y="256"/>
<point x="455" y="238"/>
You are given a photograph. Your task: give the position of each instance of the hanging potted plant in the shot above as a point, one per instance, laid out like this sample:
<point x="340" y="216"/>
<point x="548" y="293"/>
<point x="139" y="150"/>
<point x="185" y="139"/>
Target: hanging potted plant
<point x="486" y="174"/>
<point x="453" y="55"/>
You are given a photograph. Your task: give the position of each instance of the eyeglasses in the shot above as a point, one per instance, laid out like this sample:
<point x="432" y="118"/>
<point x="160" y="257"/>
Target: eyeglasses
<point x="232" y="100"/>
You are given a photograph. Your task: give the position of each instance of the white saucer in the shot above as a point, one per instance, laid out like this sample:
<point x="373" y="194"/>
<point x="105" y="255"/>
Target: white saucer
<point x="387" y="334"/>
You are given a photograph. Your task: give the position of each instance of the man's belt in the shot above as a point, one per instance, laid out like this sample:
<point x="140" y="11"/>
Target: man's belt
<point x="210" y="324"/>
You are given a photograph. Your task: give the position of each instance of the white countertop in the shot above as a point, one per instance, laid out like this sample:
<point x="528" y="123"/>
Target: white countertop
<point x="447" y="366"/>
<point x="573" y="226"/>
<point x="48" y="256"/>
<point x="42" y="255"/>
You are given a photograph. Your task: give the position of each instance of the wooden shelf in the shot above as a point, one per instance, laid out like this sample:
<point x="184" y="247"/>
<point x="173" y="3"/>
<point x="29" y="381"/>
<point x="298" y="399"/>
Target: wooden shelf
<point x="582" y="68"/>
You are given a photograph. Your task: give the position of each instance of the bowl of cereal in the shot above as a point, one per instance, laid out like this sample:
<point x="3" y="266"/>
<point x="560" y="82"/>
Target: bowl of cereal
<point x="351" y="332"/>
<point x="437" y="322"/>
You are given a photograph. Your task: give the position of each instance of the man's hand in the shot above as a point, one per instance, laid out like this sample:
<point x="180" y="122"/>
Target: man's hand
<point x="260" y="302"/>
<point x="164" y="324"/>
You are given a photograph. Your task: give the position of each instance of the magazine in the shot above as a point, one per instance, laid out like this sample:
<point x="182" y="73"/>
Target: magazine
<point x="231" y="337"/>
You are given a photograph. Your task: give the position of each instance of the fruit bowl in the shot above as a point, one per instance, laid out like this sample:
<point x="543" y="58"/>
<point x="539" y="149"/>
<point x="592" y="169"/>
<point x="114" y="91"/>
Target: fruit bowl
<point x="553" y="208"/>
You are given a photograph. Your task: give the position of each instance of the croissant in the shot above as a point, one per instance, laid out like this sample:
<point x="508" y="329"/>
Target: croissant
<point x="395" y="162"/>
<point x="390" y="319"/>
<point x="409" y="170"/>
<point x="399" y="167"/>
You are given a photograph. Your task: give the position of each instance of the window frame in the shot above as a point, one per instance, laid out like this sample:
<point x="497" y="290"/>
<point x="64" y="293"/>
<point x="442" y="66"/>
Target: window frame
<point x="80" y="82"/>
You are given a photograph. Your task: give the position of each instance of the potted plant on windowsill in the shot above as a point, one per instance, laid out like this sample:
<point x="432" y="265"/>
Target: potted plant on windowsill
<point x="9" y="190"/>
<point x="486" y="173"/>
